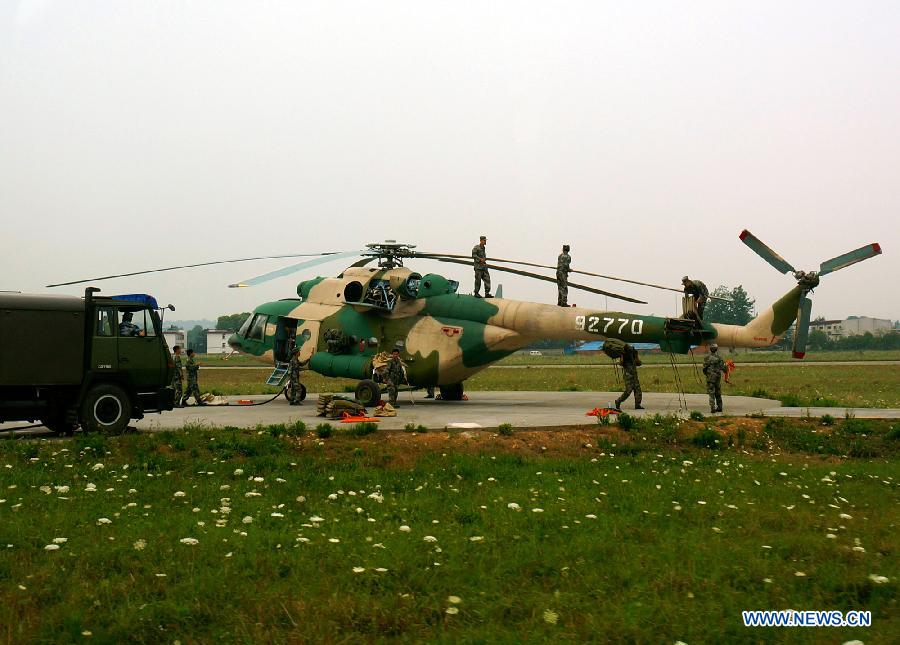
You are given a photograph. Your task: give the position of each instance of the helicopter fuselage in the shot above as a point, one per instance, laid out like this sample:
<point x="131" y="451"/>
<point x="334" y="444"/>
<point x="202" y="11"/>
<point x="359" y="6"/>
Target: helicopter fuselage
<point x="340" y="325"/>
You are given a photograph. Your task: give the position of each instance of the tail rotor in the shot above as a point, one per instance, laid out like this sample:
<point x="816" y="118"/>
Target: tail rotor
<point x="806" y="280"/>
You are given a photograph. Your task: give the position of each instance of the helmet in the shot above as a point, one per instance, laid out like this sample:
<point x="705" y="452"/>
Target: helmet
<point x="685" y="279"/>
<point x="713" y="347"/>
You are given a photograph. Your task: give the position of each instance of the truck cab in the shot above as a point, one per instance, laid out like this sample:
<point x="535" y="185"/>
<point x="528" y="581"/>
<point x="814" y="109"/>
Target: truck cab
<point x="96" y="362"/>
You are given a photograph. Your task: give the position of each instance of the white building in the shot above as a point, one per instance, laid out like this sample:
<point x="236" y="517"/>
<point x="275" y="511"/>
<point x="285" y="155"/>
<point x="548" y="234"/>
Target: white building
<point x="835" y="329"/>
<point x="175" y="337"/>
<point x="217" y="341"/>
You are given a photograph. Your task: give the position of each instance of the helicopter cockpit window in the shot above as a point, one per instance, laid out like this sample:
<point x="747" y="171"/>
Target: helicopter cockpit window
<point x="258" y="327"/>
<point x="245" y="326"/>
<point x="453" y="286"/>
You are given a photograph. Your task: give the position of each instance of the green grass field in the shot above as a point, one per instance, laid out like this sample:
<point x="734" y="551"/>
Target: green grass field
<point x="203" y="536"/>
<point x="838" y="386"/>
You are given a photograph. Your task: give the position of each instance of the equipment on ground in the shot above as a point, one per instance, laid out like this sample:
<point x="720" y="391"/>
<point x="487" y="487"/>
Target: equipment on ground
<point x="65" y="361"/>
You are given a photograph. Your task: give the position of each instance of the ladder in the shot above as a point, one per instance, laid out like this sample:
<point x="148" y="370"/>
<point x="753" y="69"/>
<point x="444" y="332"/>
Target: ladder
<point x="279" y="374"/>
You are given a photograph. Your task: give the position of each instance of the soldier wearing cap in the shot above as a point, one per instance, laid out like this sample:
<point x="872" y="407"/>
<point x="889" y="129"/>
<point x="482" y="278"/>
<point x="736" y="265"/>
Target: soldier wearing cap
<point x="713" y="367"/>
<point x="395" y="376"/>
<point x="294" y="387"/>
<point x="563" y="268"/>
<point x="479" y="261"/>
<point x="700" y="293"/>
<point x="177" y="375"/>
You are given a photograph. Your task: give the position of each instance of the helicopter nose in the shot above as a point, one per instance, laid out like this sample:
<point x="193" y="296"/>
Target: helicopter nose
<point x="234" y="342"/>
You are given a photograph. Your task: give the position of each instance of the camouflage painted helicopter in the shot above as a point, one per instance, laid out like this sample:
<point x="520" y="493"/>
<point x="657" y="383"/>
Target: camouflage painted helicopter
<point x="341" y="324"/>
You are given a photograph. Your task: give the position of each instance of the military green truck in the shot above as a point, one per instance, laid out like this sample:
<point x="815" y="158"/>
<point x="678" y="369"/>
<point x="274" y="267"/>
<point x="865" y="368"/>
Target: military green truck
<point x="97" y="362"/>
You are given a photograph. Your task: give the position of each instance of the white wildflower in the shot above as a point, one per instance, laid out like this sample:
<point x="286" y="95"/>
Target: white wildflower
<point x="189" y="541"/>
<point x="316" y="518"/>
<point x="98" y="466"/>
<point x="476" y="538"/>
<point x="878" y="580"/>
<point x="404" y="528"/>
<point x="358" y="569"/>
<point x="550" y="616"/>
<point x="179" y="493"/>
<point x="429" y="538"/>
<point x="90" y="488"/>
<point x="104" y="520"/>
<point x="537" y="510"/>
<point x="51" y="547"/>
<point x="62" y="489"/>
<point x="140" y="545"/>
<point x="799" y="574"/>
<point x="452" y="610"/>
<point x="334" y="540"/>
<point x="238" y="472"/>
<point x="45" y="489"/>
<point x="513" y="506"/>
<point x="247" y="520"/>
<point x="60" y="540"/>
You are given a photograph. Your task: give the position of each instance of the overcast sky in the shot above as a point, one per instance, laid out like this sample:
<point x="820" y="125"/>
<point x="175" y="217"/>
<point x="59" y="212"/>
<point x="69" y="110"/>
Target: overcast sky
<point x="646" y="135"/>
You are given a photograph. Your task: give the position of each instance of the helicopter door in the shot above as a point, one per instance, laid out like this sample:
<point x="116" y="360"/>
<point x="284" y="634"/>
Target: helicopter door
<point x="307" y="339"/>
<point x="284" y="338"/>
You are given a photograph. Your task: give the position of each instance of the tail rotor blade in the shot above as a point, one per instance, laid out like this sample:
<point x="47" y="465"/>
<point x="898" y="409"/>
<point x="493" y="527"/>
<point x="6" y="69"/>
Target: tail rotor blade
<point x="252" y="282"/>
<point x="845" y="260"/>
<point x="801" y="331"/>
<point x="766" y="253"/>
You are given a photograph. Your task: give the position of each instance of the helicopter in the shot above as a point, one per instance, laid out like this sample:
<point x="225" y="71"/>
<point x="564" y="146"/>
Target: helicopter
<point x="342" y="324"/>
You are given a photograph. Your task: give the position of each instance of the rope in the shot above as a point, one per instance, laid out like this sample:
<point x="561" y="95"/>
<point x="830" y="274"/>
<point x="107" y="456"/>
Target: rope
<point x="682" y="399"/>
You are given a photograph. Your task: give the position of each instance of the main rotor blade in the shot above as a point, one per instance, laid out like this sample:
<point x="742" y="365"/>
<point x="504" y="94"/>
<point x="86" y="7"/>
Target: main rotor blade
<point x="765" y="252"/>
<point x="191" y="266"/>
<point x="252" y="282"/>
<point x="845" y="260"/>
<point x="536" y="276"/>
<point x="588" y="273"/>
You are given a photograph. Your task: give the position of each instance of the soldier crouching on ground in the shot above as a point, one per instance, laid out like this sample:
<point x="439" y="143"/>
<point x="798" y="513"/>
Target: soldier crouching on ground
<point x="630" y="362"/>
<point x="294" y="377"/>
<point x="713" y="366"/>
<point x="395" y="376"/>
<point x="177" y="376"/>
<point x="563" y="268"/>
<point x="193" y="388"/>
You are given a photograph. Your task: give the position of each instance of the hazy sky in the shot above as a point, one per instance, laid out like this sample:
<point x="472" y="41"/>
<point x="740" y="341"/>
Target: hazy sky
<point x="647" y="135"/>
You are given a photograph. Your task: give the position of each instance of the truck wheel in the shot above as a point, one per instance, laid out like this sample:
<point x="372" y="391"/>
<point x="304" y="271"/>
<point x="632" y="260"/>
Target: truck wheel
<point x="107" y="409"/>
<point x="452" y="392"/>
<point x="368" y="392"/>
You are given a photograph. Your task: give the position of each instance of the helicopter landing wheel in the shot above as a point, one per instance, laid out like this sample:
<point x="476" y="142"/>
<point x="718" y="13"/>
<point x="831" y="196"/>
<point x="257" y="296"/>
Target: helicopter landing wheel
<point x="452" y="392"/>
<point x="368" y="392"/>
<point x="288" y="394"/>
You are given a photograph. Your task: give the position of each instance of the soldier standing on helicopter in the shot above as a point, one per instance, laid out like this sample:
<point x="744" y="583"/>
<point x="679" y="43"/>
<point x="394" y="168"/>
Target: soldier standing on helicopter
<point x="563" y="268"/>
<point x="479" y="257"/>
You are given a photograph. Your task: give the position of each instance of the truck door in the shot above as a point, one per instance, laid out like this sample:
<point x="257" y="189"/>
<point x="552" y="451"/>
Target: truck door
<point x="139" y="349"/>
<point x="104" y="345"/>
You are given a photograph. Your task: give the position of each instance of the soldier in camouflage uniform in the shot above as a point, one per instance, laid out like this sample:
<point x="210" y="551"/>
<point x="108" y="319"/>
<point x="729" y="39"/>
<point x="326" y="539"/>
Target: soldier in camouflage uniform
<point x="713" y="367"/>
<point x="479" y="257"/>
<point x="630" y="362"/>
<point x="178" y="376"/>
<point x="700" y="293"/>
<point x="294" y="377"/>
<point x="563" y="267"/>
<point x="193" y="389"/>
<point x="395" y="376"/>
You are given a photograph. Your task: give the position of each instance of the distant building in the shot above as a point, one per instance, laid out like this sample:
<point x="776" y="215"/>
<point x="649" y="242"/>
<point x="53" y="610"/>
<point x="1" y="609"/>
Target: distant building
<point x="217" y="341"/>
<point x="855" y="326"/>
<point x="175" y="337"/>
